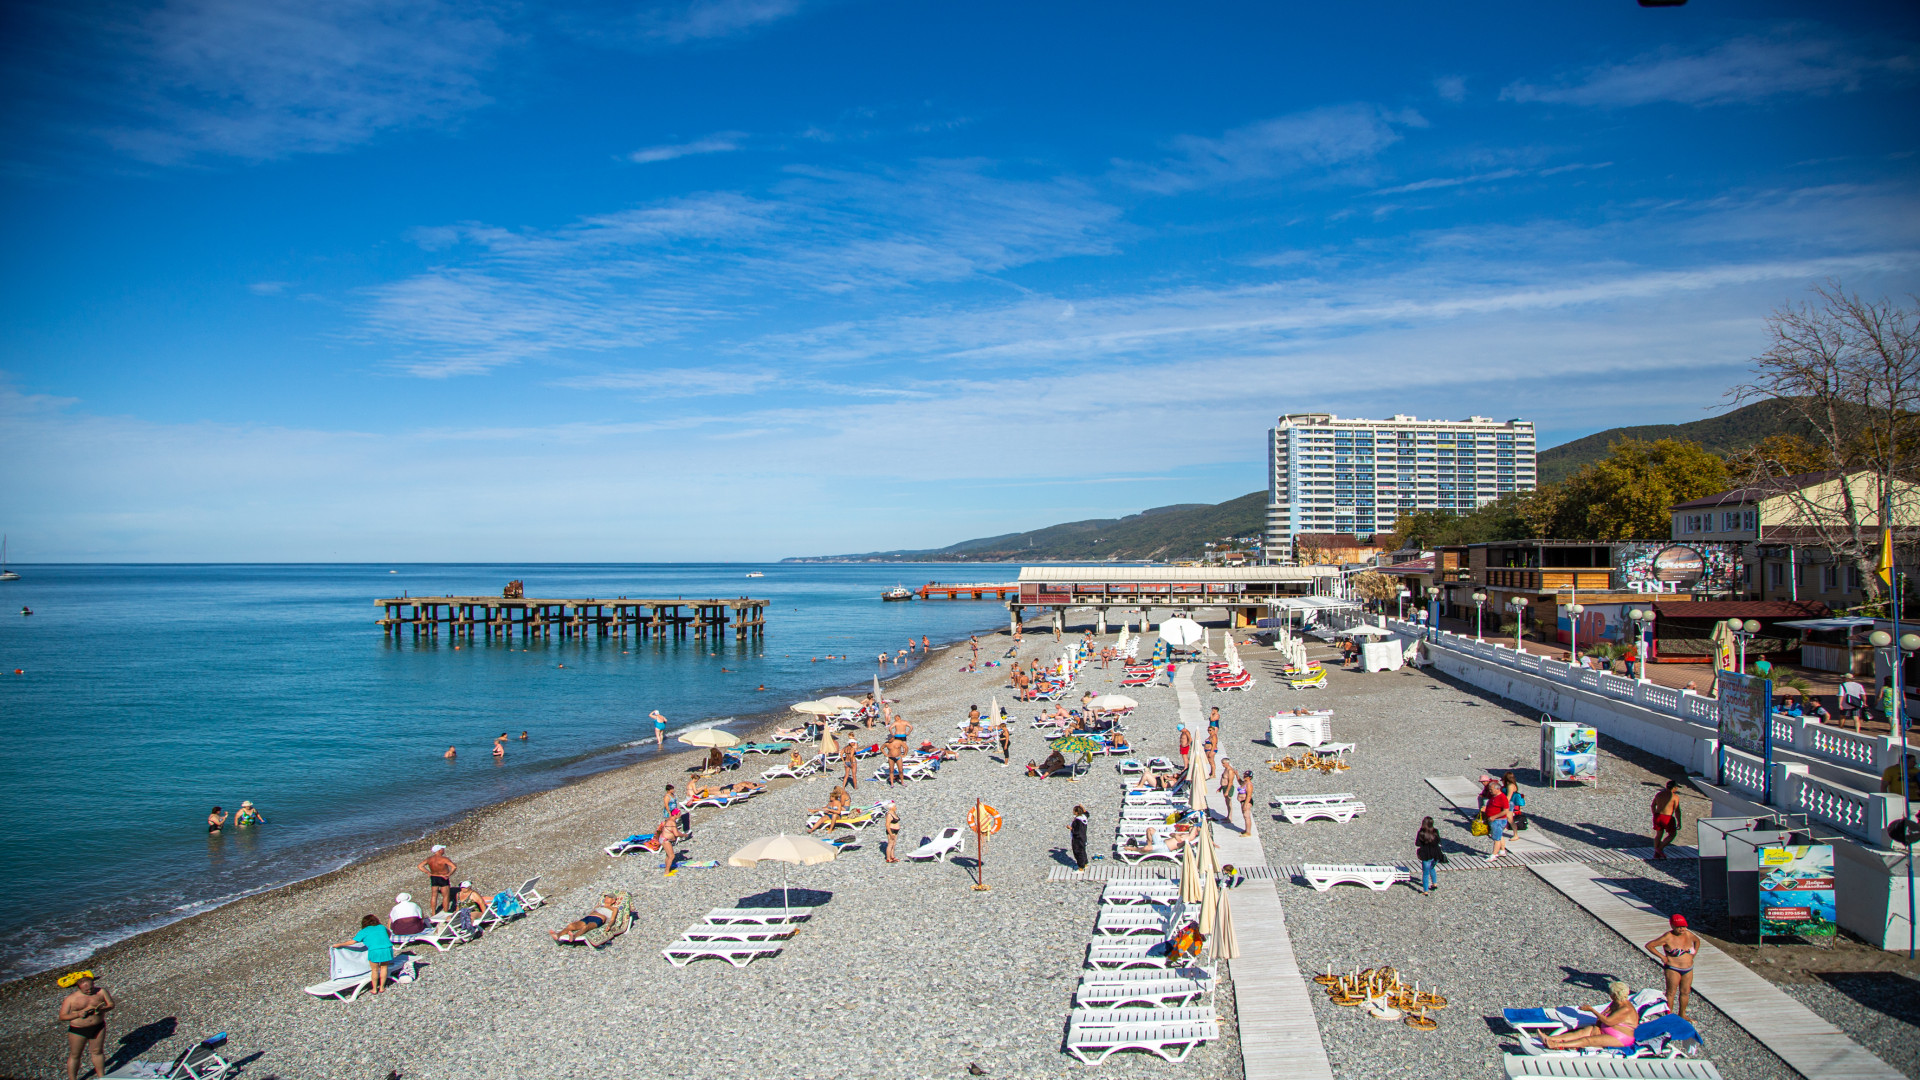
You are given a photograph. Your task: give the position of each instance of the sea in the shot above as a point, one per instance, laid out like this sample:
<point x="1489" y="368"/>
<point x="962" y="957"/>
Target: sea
<point x="135" y="698"/>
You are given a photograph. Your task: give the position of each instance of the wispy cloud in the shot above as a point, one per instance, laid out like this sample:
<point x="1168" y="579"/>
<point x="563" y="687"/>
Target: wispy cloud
<point x="1451" y="88"/>
<point x="642" y="276"/>
<point x="1315" y="139"/>
<point x="683" y="22"/>
<point x="676" y="382"/>
<point x="1485" y="178"/>
<point x="1741" y="70"/>
<point x="259" y="79"/>
<point x="717" y="143"/>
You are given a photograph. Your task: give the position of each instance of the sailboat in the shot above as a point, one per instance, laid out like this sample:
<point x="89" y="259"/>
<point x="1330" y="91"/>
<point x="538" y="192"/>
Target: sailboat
<point x="5" y="574"/>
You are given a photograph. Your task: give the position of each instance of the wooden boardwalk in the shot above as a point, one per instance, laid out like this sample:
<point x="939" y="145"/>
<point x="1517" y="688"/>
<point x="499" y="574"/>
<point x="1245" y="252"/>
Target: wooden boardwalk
<point x="1279" y="1035"/>
<point x="1814" y="1048"/>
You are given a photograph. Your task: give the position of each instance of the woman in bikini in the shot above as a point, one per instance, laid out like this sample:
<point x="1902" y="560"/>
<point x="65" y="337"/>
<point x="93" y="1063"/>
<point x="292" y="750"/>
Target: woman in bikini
<point x="1676" y="950"/>
<point x="1614" y="1023"/>
<point x="1243" y="791"/>
<point x="893" y="831"/>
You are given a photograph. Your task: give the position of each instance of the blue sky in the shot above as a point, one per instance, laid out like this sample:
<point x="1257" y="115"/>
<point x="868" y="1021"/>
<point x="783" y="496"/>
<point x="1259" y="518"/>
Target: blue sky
<point x="742" y="279"/>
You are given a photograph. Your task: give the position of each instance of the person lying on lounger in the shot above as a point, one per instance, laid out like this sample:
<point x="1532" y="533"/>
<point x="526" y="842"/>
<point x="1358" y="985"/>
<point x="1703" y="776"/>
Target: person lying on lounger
<point x="1150" y="844"/>
<point x="1118" y="741"/>
<point x="575" y="932"/>
<point x="1056" y="762"/>
<point x="1613" y="1026"/>
<point x="837" y="803"/>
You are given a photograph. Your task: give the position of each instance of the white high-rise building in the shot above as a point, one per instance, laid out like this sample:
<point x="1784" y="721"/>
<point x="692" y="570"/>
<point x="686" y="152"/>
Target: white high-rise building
<point x="1328" y="475"/>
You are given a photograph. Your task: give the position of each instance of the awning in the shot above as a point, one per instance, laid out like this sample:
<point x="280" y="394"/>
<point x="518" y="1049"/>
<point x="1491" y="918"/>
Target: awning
<point x="1308" y="603"/>
<point x="1843" y="623"/>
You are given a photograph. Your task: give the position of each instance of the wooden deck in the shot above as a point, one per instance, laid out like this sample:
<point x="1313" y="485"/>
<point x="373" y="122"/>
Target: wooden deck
<point x="1814" y="1048"/>
<point x="1279" y="1035"/>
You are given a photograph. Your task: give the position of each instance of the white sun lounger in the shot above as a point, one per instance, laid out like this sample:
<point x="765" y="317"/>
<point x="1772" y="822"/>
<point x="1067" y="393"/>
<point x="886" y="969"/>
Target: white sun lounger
<point x="806" y="768"/>
<point x="349" y="973"/>
<point x="1342" y="812"/>
<point x="1093" y="1034"/>
<point x="739" y="932"/>
<point x="923" y="769"/>
<point x="442" y="934"/>
<point x="1120" y="955"/>
<point x="1125" y="893"/>
<point x="938" y="847"/>
<point x="762" y="916"/>
<point x="739" y="954"/>
<point x="528" y="895"/>
<point x="1132" y="920"/>
<point x="1279" y="801"/>
<point x="1324" y="876"/>
<point x="1164" y="990"/>
<point x="1525" y="1067"/>
<point x="1134" y="858"/>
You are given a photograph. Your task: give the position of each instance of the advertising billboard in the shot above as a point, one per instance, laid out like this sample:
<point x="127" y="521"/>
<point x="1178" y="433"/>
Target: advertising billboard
<point x="1796" y="892"/>
<point x="1746" y="709"/>
<point x="1569" y="753"/>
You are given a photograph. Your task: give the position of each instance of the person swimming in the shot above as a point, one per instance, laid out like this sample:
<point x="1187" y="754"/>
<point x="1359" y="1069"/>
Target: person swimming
<point x="449" y="755"/>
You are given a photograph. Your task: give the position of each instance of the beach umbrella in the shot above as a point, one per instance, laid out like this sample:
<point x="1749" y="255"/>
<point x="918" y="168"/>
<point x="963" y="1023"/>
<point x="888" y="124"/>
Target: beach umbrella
<point x="877" y="699"/>
<point x="1180" y="631"/>
<point x="993" y="709"/>
<point x="707" y="736"/>
<point x="828" y="747"/>
<point x="1110" y="702"/>
<point x="1076" y="744"/>
<point x="814" y="708"/>
<point x="1226" y="946"/>
<point x="1191" y="887"/>
<point x="839" y="702"/>
<point x="787" y="850"/>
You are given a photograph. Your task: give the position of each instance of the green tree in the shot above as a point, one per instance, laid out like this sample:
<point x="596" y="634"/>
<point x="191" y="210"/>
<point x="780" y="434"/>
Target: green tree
<point x="1629" y="494"/>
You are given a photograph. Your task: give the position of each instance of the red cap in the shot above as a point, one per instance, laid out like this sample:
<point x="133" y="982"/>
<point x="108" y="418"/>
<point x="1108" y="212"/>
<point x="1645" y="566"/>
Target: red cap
<point x="1678" y="921"/>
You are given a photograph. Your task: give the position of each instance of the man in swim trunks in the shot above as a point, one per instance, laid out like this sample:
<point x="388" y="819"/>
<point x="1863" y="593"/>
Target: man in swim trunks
<point x="85" y="1013"/>
<point x="598" y="917"/>
<point x="1666" y="804"/>
<point x="897" y="735"/>
<point x="439" y="870"/>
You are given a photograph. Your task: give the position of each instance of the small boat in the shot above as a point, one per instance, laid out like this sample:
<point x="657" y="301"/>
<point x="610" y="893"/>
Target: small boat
<point x="6" y="574"/>
<point x="898" y="592"/>
<point x="755" y="573"/>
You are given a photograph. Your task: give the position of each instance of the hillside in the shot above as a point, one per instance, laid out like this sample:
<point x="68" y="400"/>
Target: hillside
<point x="1721" y="434"/>
<point x="1162" y="533"/>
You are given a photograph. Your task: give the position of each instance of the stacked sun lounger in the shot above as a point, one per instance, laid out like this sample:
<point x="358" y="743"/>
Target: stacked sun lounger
<point x="1131" y="995"/>
<point x="737" y="935"/>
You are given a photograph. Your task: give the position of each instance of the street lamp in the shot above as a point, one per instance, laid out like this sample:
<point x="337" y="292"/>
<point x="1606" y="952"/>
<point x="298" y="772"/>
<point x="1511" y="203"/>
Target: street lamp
<point x="1573" y="623"/>
<point x="1641" y="619"/>
<point x="1400" y="602"/>
<point x="1479" y="605"/>
<point x="1519" y="606"/>
<point x="1742" y="633"/>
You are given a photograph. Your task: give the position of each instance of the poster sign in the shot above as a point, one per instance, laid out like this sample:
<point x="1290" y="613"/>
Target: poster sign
<point x="1746" y="709"/>
<point x="1569" y="752"/>
<point x="1598" y="622"/>
<point x="1679" y="564"/>
<point x="1676" y="568"/>
<point x="1796" y="892"/>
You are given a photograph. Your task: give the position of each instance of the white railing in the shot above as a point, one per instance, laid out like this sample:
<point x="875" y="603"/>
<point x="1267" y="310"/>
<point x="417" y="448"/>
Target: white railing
<point x="1843" y="808"/>
<point x="1744" y="772"/>
<point x="1618" y="685"/>
<point x="1663" y="698"/>
<point x="1782" y="729"/>
<point x="1706" y="710"/>
<point x="1860" y="751"/>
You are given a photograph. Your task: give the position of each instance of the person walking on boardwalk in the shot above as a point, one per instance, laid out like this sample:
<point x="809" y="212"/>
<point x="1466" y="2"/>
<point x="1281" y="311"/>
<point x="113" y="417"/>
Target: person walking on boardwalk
<point x="1426" y="848"/>
<point x="893" y="832"/>
<point x="439" y="870"/>
<point x="1676" y="951"/>
<point x="659" y="730"/>
<point x="1666" y="818"/>
<point x="85" y="1013"/>
<point x="1077" y="835"/>
<point x="1499" y="815"/>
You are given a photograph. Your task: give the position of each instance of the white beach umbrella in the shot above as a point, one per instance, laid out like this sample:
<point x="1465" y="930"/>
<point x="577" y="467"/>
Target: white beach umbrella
<point x="877" y="699"/>
<point x="993" y="709"/>
<point x="787" y="850"/>
<point x="828" y="747"/>
<point x="1225" y="945"/>
<point x="814" y="708"/>
<point x="1113" y="701"/>
<point x="1180" y="631"/>
<point x="712" y="737"/>
<point x="839" y="702"/>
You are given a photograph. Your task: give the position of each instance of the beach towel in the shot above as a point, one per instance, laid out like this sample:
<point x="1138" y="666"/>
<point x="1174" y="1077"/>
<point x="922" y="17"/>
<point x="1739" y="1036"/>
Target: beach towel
<point x="508" y="906"/>
<point x="601" y="936"/>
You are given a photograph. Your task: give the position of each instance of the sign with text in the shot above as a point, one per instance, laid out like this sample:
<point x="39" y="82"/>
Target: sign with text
<point x="1796" y="892"/>
<point x="1746" y="710"/>
<point x="1569" y="752"/>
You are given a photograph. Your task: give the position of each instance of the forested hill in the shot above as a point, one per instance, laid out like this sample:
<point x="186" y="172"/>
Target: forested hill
<point x="1727" y="433"/>
<point x="1163" y="533"/>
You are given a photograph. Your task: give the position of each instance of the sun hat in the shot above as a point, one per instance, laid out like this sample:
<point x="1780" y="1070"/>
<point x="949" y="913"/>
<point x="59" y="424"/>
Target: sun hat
<point x="246" y="803"/>
<point x="403" y="898"/>
<point x="439" y="847"/>
<point x="71" y="978"/>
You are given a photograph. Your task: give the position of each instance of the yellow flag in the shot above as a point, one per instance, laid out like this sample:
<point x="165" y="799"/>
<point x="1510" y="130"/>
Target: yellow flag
<point x="1884" y="567"/>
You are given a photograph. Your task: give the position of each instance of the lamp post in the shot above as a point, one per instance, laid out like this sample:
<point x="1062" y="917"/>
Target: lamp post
<point x="1742" y="633"/>
<point x="1641" y="619"/>
<point x="1479" y="606"/>
<point x="1519" y="606"/>
<point x="1909" y="644"/>
<point x="1573" y="611"/>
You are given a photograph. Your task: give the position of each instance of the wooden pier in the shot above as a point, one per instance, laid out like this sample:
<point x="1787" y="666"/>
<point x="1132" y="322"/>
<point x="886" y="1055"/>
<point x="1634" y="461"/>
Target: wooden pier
<point x="494" y="616"/>
<point x="976" y="591"/>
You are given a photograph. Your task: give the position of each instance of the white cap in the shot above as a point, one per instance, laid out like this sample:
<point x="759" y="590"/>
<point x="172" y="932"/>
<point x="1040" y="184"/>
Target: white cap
<point x="403" y="898"/>
<point x="439" y="847"/>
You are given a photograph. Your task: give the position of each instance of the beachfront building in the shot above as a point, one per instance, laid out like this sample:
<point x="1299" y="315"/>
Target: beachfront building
<point x="1795" y="534"/>
<point x="1245" y="593"/>
<point x="1329" y="475"/>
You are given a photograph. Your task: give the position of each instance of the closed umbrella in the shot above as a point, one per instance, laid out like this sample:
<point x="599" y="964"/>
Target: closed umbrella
<point x="828" y="747"/>
<point x="877" y="700"/>
<point x="1191" y="887"/>
<point x="1226" y="946"/>
<point x="993" y="709"/>
<point x="787" y="850"/>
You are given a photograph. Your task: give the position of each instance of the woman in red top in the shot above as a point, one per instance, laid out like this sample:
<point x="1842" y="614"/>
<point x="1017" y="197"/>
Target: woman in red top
<point x="1499" y="813"/>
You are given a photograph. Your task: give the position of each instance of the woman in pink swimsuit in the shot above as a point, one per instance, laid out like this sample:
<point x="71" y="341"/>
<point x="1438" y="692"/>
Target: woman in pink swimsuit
<point x="1614" y="1024"/>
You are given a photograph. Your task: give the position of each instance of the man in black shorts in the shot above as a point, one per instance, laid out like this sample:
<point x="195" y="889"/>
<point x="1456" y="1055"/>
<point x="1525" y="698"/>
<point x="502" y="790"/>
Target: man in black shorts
<point x="85" y="1013"/>
<point x="439" y="870"/>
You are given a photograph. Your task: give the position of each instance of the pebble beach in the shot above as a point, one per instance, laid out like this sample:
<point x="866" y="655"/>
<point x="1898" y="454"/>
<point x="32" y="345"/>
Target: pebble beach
<point x="906" y="970"/>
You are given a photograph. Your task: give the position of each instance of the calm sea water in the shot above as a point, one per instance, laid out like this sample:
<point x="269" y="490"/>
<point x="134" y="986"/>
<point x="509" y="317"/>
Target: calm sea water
<point x="148" y="694"/>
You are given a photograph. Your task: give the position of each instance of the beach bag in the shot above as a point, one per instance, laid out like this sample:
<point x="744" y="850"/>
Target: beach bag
<point x="1479" y="826"/>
